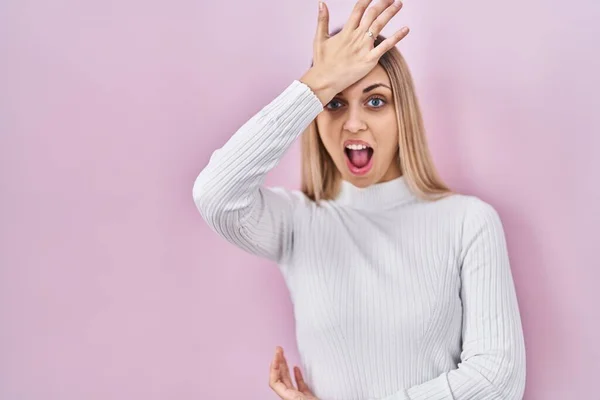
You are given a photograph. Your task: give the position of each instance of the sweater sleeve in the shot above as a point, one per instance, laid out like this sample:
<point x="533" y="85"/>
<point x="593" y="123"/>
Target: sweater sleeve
<point x="492" y="362"/>
<point x="229" y="191"/>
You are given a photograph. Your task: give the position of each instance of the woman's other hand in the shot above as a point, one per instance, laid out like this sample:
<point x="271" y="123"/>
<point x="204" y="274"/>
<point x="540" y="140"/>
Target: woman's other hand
<point x="281" y="382"/>
<point x="345" y="58"/>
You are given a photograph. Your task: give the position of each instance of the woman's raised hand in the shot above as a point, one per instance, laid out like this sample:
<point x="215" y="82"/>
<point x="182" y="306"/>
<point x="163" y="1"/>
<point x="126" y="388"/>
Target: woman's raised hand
<point x="348" y="56"/>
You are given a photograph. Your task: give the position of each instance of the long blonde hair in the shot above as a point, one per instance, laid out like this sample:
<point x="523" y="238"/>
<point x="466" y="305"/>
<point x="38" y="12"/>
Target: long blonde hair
<point x="321" y="178"/>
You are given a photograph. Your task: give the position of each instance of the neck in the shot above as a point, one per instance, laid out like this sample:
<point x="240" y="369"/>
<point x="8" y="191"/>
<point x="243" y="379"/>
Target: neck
<point x="380" y="195"/>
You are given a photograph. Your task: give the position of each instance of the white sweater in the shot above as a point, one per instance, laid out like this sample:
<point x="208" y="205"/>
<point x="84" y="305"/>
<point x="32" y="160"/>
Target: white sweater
<point x="394" y="297"/>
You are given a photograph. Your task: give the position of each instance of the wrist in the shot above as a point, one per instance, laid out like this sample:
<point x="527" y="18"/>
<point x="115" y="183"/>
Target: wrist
<point x="320" y="84"/>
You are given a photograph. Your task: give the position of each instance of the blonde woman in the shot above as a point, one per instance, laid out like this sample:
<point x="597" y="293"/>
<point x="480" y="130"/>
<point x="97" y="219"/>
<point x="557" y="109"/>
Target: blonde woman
<point x="401" y="288"/>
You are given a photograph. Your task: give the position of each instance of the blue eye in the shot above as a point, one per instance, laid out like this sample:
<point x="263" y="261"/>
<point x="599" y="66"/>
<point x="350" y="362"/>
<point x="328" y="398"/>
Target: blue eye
<point x="331" y="102"/>
<point x="378" y="99"/>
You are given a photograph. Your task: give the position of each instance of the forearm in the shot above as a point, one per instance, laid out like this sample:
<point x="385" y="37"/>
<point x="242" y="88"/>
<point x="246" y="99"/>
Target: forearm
<point x="228" y="192"/>
<point x="320" y="83"/>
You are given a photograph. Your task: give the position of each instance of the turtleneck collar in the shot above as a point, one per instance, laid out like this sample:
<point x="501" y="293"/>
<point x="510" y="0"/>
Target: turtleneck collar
<point x="376" y="196"/>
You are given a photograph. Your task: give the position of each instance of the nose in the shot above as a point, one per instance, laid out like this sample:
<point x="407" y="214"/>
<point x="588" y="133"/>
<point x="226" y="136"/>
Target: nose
<point x="354" y="122"/>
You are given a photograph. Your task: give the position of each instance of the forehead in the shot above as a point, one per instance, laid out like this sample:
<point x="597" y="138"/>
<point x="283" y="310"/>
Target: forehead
<point x="376" y="75"/>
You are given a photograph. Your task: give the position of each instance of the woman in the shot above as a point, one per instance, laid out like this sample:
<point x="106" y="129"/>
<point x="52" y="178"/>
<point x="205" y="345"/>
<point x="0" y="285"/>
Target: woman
<point x="401" y="288"/>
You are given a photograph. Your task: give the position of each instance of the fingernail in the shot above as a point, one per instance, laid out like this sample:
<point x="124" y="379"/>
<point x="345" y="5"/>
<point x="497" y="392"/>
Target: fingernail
<point x="320" y="6"/>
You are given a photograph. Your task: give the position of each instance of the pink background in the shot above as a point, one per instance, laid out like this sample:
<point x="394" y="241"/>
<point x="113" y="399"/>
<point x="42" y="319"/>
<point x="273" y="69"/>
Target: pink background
<point x="112" y="286"/>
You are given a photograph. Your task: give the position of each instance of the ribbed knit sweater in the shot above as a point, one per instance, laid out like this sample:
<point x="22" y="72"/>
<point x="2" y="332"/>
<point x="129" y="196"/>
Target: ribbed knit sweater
<point x="394" y="297"/>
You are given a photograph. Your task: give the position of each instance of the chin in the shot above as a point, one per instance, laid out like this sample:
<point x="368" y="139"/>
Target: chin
<point x="359" y="181"/>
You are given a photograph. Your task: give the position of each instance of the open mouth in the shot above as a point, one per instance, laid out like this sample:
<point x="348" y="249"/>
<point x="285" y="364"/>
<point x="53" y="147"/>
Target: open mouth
<point x="359" y="157"/>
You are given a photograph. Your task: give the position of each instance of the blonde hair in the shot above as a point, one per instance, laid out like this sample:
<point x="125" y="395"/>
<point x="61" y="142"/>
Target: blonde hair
<point x="321" y="178"/>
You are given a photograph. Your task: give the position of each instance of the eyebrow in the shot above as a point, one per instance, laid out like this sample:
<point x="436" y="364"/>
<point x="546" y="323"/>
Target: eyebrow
<point x="369" y="88"/>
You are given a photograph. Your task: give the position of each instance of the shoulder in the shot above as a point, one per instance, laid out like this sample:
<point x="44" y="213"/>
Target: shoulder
<point x="480" y="225"/>
<point x="481" y="214"/>
<point x="470" y="216"/>
<point x="467" y="207"/>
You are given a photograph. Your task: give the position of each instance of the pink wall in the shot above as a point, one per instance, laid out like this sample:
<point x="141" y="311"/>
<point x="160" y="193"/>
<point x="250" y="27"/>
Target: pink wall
<point x="112" y="287"/>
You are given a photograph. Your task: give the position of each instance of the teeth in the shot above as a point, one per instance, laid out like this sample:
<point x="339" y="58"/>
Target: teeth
<point x="356" y="146"/>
